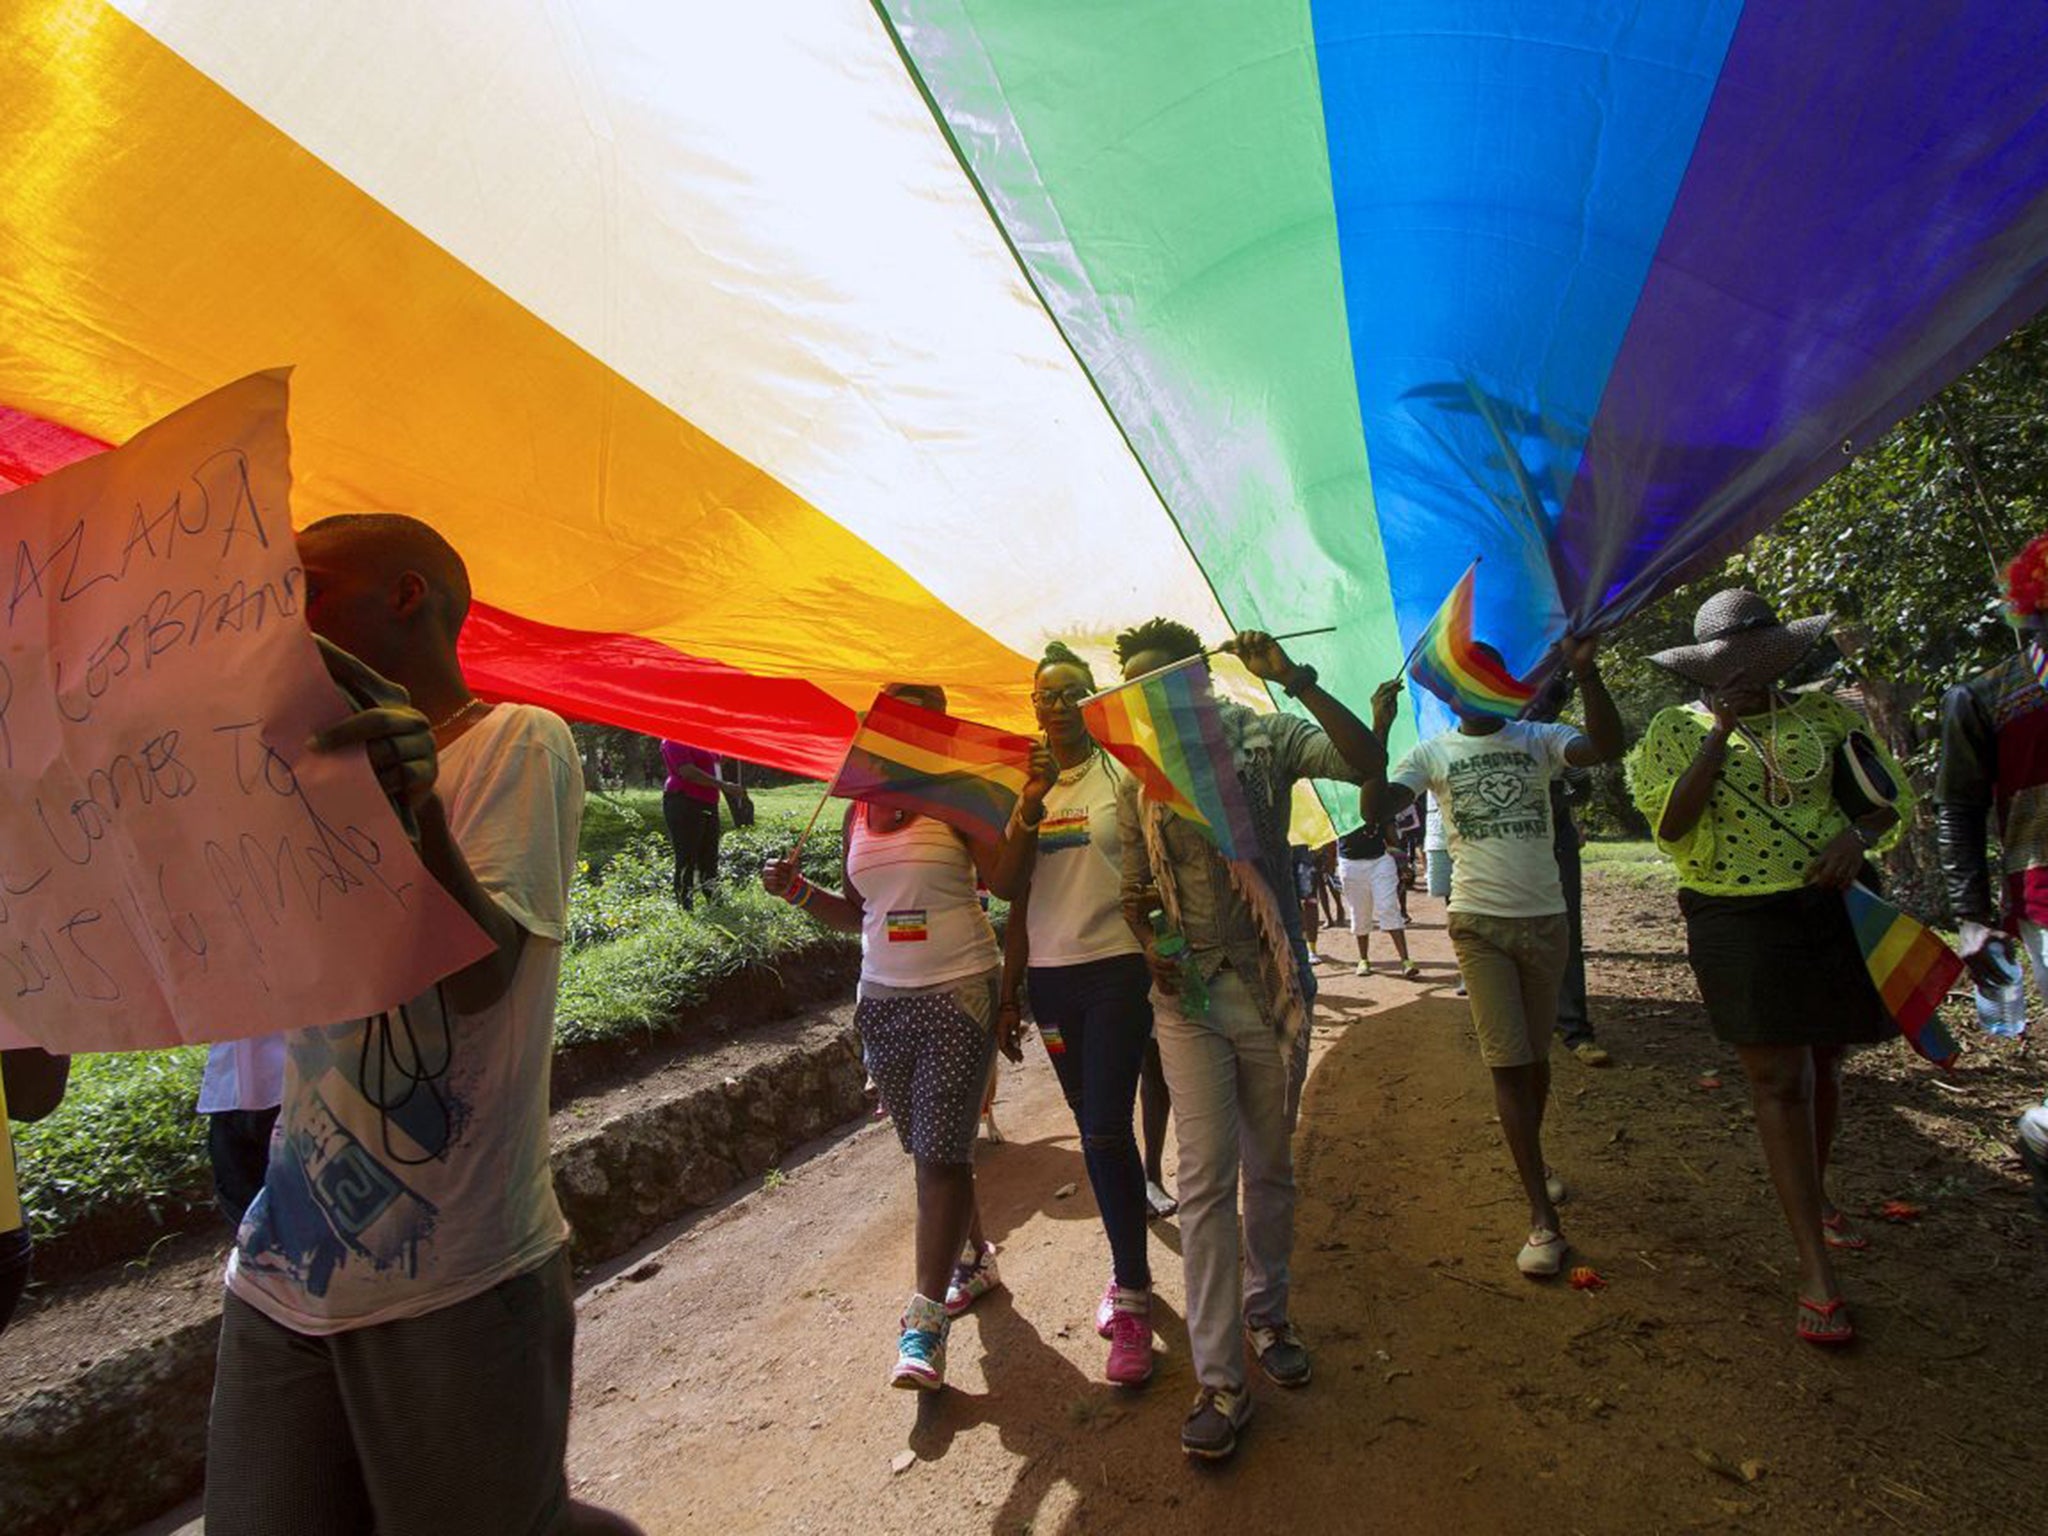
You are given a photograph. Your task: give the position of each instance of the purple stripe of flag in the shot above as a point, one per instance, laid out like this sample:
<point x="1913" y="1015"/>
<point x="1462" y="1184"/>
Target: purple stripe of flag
<point x="1865" y="214"/>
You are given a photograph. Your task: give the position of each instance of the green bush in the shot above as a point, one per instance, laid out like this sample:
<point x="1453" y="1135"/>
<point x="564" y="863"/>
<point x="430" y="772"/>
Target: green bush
<point x="126" y="1131"/>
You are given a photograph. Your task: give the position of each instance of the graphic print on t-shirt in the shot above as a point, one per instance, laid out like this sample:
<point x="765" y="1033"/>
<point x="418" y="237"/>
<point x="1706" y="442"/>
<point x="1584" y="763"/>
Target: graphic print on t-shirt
<point x="330" y="1199"/>
<point x="906" y="925"/>
<point x="1063" y="829"/>
<point x="1503" y="794"/>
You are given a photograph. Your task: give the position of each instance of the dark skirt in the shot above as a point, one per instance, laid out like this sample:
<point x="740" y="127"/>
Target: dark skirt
<point x="1782" y="969"/>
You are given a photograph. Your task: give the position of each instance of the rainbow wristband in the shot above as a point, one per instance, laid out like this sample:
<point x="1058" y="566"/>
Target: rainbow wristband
<point x="800" y="893"/>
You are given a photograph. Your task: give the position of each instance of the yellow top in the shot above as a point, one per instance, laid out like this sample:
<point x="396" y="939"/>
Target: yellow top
<point x="1734" y="849"/>
<point x="10" y="1200"/>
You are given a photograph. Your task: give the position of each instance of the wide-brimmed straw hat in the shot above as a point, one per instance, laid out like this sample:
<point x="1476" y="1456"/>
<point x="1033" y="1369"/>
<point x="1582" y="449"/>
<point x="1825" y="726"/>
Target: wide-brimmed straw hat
<point x="1738" y="639"/>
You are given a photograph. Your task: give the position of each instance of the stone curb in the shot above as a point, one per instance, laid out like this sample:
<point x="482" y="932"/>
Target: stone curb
<point x="125" y="1440"/>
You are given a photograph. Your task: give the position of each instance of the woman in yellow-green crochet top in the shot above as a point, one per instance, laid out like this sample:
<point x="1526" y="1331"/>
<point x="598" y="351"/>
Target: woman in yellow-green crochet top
<point x="1740" y="792"/>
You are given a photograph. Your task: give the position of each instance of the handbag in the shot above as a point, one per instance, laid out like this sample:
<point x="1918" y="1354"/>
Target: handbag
<point x="1861" y="781"/>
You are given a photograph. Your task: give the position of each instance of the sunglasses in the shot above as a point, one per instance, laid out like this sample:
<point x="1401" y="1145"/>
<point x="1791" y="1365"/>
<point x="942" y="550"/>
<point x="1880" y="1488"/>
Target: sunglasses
<point x="1051" y="699"/>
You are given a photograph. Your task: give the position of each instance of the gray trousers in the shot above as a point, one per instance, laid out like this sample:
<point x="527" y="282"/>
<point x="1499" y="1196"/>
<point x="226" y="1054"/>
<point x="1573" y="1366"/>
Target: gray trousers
<point x="1236" y="1093"/>
<point x="454" y="1423"/>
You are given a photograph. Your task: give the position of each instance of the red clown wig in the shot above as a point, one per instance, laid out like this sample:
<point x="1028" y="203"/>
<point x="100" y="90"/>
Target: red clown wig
<point x="2026" y="579"/>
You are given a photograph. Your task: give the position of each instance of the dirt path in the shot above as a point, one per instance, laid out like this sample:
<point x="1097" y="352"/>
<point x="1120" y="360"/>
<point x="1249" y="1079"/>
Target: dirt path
<point x="739" y="1387"/>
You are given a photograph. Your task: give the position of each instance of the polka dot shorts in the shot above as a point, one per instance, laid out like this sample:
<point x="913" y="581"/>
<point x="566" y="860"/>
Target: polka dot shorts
<point x="929" y="1053"/>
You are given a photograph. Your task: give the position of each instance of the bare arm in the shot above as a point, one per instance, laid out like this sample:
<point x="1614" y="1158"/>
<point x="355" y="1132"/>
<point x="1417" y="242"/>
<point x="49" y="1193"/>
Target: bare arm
<point x="1016" y="957"/>
<point x="1687" y="801"/>
<point x="1603" y="739"/>
<point x="1355" y="743"/>
<point x="1012" y="869"/>
<point x="837" y="910"/>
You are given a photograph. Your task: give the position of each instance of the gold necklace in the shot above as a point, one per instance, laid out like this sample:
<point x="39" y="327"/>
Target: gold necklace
<point x="1074" y="775"/>
<point x="462" y="712"/>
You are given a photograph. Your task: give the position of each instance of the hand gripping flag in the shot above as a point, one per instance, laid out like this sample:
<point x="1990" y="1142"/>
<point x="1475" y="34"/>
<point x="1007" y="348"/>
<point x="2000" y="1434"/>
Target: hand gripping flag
<point x="1166" y="728"/>
<point x="1452" y="665"/>
<point x="1911" y="969"/>
<point x="964" y="774"/>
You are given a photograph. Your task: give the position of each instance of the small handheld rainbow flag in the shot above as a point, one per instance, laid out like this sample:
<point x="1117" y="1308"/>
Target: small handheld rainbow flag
<point x="1911" y="968"/>
<point x="1167" y="730"/>
<point x="1448" y="662"/>
<point x="966" y="775"/>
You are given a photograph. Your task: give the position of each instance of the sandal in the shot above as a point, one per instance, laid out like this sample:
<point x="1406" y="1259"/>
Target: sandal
<point x="1825" y="1322"/>
<point x="1836" y="1232"/>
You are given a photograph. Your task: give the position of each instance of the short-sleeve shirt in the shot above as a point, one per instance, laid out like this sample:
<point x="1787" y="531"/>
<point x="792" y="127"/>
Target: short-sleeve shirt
<point x="410" y="1167"/>
<point x="1495" y="793"/>
<point x="1367" y="842"/>
<point x="1075" y="913"/>
<point x="675" y="757"/>
<point x="243" y="1074"/>
<point x="1272" y="752"/>
<point x="1735" y="848"/>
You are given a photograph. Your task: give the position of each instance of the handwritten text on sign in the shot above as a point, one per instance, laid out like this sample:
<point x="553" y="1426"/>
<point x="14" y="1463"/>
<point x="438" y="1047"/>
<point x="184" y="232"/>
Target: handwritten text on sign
<point x="175" y="865"/>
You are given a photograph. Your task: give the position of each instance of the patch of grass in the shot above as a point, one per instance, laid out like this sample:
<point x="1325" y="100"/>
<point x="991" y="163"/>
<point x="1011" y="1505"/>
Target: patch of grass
<point x="127" y="1130"/>
<point x="1631" y="863"/>
<point x="773" y="1179"/>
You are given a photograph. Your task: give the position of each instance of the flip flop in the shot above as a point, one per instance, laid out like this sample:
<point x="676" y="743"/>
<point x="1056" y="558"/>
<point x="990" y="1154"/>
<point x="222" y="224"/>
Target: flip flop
<point x="1836" y="1232"/>
<point x="1830" y="1334"/>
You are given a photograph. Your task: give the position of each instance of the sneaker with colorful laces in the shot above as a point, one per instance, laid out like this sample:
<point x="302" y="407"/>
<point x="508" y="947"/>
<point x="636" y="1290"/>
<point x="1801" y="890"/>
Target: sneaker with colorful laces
<point x="973" y="1278"/>
<point x="1130" y="1338"/>
<point x="921" y="1351"/>
<point x="1280" y="1353"/>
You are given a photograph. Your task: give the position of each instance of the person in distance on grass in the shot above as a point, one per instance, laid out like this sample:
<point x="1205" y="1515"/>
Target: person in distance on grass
<point x="1507" y="910"/>
<point x="1090" y="990"/>
<point x="929" y="972"/>
<point x="31" y="1085"/>
<point x="1235" y="1066"/>
<point x="397" y="1339"/>
<point x="1739" y="791"/>
<point x="1994" y="763"/>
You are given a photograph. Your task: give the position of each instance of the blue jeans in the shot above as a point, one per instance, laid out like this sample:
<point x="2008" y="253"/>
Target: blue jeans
<point x="1095" y="1019"/>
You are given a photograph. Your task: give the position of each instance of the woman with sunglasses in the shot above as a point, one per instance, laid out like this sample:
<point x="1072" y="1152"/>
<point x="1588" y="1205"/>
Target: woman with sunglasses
<point x="1088" y="982"/>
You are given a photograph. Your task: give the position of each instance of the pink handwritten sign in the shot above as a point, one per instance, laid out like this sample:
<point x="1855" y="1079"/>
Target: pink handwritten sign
<point x="175" y="864"/>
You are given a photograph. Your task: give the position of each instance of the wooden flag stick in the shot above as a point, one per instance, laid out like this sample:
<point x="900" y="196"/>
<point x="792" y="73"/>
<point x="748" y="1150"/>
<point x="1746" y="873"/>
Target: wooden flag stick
<point x="1189" y="661"/>
<point x="799" y="848"/>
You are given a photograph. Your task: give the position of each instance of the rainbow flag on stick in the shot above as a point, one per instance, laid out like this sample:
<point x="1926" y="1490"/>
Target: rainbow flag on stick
<point x="1911" y="968"/>
<point x="1448" y="662"/>
<point x="1165" y="727"/>
<point x="966" y="775"/>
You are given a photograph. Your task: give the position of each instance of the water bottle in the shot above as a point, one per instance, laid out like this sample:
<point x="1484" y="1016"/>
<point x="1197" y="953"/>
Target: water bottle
<point x="2002" y="1006"/>
<point x="1194" y="994"/>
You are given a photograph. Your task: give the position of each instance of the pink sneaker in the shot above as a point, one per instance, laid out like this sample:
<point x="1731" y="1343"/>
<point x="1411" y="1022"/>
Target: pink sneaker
<point x="1130" y="1339"/>
<point x="1105" y="1310"/>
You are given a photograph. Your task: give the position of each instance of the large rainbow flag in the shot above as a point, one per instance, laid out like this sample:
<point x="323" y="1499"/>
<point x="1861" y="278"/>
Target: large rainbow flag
<point x="964" y="774"/>
<point x="753" y="354"/>
<point x="1167" y="730"/>
<point x="1911" y="969"/>
<point x="1450" y="665"/>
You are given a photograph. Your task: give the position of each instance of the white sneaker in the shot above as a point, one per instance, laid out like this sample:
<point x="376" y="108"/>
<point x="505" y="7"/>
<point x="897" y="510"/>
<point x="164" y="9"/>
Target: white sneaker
<point x="1364" y="968"/>
<point x="1542" y="1255"/>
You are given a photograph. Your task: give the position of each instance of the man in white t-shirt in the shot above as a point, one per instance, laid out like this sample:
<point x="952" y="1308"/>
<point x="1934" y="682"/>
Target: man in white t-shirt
<point x="1507" y="908"/>
<point x="396" y="1342"/>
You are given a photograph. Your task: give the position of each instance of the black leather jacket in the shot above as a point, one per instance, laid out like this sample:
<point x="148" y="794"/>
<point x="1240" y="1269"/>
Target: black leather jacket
<point x="1966" y="785"/>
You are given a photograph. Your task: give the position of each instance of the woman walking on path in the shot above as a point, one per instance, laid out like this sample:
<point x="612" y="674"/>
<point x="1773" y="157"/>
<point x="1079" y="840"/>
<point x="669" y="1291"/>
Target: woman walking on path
<point x="1740" y="793"/>
<point x="1090" y="988"/>
<point x="927" y="1020"/>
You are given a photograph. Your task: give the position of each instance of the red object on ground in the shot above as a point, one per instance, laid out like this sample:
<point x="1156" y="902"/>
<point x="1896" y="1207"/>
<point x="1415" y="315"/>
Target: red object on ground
<point x="1587" y="1278"/>
<point x="1708" y="1084"/>
<point x="1901" y="1210"/>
